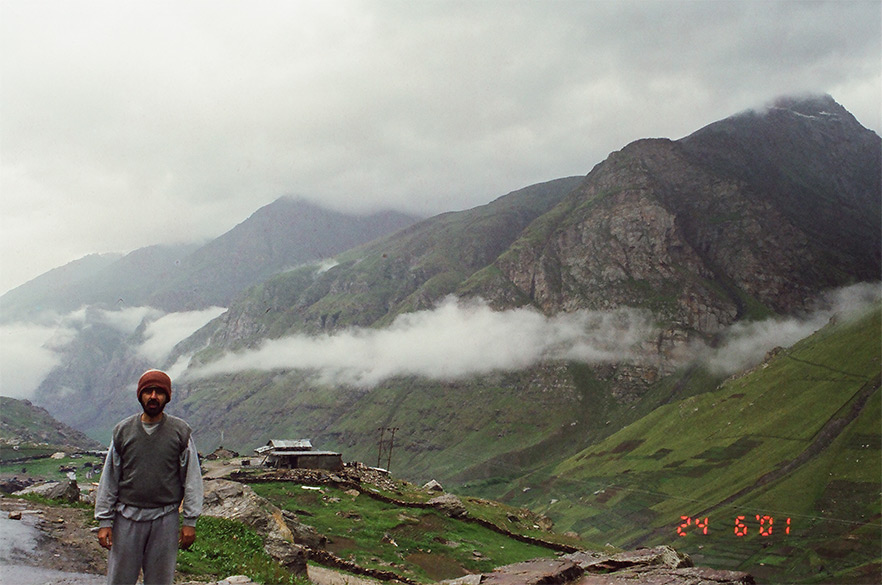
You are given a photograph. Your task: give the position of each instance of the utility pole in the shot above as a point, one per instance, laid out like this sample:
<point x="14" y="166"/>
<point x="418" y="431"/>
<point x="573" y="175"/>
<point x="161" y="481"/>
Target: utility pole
<point x="385" y="445"/>
<point x="391" y="443"/>
<point x="380" y="445"/>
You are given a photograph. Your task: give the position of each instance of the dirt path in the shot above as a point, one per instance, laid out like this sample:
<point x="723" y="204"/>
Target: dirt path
<point x="64" y="540"/>
<point x="325" y="576"/>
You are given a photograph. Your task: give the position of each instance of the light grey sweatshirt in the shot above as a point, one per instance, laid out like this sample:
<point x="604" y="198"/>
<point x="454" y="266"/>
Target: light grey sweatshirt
<point x="107" y="503"/>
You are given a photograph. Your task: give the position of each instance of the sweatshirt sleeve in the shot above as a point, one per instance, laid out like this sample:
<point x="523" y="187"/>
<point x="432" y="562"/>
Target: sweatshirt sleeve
<point x="192" y="504"/>
<point x="108" y="489"/>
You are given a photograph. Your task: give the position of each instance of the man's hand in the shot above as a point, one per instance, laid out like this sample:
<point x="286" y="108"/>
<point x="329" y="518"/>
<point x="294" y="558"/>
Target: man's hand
<point x="188" y="536"/>
<point x="105" y="537"/>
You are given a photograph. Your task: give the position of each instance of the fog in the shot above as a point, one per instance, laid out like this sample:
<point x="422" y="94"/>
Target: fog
<point x="459" y="339"/>
<point x="32" y="350"/>
<point x="27" y="357"/>
<point x="455" y="340"/>
<point x="163" y="334"/>
<point x="746" y="344"/>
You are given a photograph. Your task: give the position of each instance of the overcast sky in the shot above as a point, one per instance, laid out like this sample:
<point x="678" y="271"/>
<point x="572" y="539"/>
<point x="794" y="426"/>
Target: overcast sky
<point x="125" y="124"/>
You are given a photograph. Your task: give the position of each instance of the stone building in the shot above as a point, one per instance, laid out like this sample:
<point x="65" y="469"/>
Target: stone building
<point x="298" y="454"/>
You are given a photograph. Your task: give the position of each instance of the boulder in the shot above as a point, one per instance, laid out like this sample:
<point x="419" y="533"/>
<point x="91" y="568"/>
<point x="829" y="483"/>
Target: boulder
<point x="433" y="486"/>
<point x="289" y="555"/>
<point x="536" y="572"/>
<point x="283" y="534"/>
<point x="66" y="490"/>
<point x="40" y="489"/>
<point x="303" y="533"/>
<point x="229" y="499"/>
<point x="10" y="486"/>
<point x="449" y="505"/>
<point x="660" y="556"/>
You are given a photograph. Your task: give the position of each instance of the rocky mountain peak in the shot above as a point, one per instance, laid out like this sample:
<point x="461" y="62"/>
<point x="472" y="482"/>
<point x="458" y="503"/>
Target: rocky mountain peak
<point x="757" y="212"/>
<point x="810" y="105"/>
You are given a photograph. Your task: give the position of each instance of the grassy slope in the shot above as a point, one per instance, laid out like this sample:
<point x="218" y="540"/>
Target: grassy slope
<point x="687" y="457"/>
<point x="421" y="544"/>
<point x="443" y="428"/>
<point x="22" y="422"/>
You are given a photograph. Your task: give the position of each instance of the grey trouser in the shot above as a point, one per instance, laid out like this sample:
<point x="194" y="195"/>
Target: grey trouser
<point x="150" y="545"/>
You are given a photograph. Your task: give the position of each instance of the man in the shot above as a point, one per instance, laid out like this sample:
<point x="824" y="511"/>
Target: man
<point x="151" y="469"/>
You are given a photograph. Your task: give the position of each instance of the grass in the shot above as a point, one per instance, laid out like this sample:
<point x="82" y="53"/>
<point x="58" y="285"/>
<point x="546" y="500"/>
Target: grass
<point x="686" y="457"/>
<point x="48" y="469"/>
<point x="7" y="453"/>
<point x="419" y="544"/>
<point x="227" y="547"/>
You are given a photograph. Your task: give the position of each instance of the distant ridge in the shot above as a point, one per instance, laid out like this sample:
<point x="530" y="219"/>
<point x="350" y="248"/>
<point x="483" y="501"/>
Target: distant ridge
<point x="285" y="233"/>
<point x="23" y="423"/>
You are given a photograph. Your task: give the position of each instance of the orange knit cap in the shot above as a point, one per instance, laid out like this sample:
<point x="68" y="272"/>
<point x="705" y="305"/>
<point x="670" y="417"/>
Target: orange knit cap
<point x="155" y="379"/>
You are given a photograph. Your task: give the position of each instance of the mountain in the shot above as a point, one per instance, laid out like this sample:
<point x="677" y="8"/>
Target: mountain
<point x="279" y="236"/>
<point x="58" y="289"/>
<point x="745" y="222"/>
<point x="283" y="234"/>
<point x="443" y="251"/>
<point x="749" y="216"/>
<point x="22" y="423"/>
<point x="405" y="271"/>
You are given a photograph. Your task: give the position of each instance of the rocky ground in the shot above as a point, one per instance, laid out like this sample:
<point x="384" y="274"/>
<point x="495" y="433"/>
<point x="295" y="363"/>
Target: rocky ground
<point x="66" y="542"/>
<point x="649" y="566"/>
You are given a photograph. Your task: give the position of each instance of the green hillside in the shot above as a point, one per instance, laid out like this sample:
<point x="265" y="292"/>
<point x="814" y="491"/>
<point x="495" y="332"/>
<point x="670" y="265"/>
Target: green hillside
<point x="798" y="437"/>
<point x="31" y="429"/>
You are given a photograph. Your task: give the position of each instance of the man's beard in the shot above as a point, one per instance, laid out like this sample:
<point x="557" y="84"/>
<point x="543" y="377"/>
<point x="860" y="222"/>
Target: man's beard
<point x="153" y="407"/>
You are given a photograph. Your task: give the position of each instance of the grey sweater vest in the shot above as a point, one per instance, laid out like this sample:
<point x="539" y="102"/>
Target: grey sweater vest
<point x="151" y="475"/>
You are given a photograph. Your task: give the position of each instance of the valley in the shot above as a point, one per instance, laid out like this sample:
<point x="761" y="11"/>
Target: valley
<point x="681" y="347"/>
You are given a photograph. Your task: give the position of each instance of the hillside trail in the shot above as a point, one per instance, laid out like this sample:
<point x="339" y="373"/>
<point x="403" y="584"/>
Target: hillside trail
<point x="828" y="433"/>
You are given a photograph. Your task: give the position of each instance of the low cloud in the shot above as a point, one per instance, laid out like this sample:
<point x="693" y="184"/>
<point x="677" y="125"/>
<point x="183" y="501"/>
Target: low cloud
<point x="746" y="344"/>
<point x="129" y="319"/>
<point x="31" y="350"/>
<point x="455" y="340"/>
<point x="459" y="339"/>
<point x="28" y="355"/>
<point x="164" y="333"/>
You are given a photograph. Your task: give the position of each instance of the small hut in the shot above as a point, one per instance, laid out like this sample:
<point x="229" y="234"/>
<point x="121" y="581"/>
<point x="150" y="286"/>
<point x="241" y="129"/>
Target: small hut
<point x="298" y="454"/>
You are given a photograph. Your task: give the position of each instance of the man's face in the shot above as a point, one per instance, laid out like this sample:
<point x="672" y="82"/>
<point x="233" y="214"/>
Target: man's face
<point x="153" y="401"/>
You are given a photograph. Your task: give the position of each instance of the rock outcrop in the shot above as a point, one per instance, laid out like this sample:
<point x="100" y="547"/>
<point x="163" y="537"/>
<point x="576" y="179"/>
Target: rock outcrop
<point x="656" y="566"/>
<point x="66" y="491"/>
<point x="236" y="501"/>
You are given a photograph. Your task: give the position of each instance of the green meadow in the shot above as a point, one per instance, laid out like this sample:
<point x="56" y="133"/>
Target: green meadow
<point x="797" y="440"/>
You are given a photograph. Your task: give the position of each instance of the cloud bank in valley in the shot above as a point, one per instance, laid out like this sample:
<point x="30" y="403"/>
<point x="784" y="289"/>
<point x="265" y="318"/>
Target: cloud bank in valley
<point x="31" y="350"/>
<point x="27" y="356"/>
<point x="164" y="333"/>
<point x="459" y="339"/>
<point x="746" y="344"/>
<point x="455" y="340"/>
